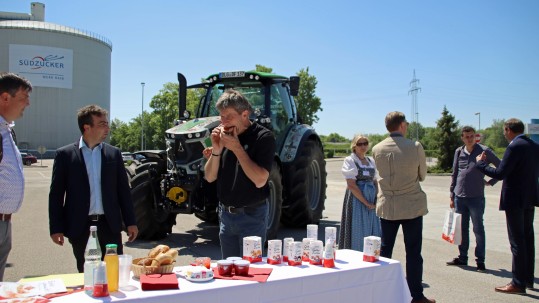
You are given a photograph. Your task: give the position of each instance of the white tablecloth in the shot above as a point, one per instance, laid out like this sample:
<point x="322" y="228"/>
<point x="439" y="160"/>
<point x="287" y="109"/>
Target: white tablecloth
<point x="352" y="280"/>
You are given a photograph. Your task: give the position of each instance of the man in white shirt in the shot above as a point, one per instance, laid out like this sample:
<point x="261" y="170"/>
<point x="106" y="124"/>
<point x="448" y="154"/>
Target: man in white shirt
<point x="14" y="98"/>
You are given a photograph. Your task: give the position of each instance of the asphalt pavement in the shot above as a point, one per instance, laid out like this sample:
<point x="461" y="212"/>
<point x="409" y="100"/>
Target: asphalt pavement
<point x="34" y="253"/>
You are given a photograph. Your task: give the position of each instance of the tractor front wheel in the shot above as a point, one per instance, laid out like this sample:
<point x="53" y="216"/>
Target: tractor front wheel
<point x="153" y="222"/>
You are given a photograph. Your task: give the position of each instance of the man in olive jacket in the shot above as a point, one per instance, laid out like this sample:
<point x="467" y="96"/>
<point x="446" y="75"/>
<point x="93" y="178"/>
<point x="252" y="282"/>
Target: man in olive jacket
<point x="402" y="165"/>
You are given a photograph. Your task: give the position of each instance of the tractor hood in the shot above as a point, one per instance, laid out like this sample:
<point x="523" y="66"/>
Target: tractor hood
<point x="196" y="129"/>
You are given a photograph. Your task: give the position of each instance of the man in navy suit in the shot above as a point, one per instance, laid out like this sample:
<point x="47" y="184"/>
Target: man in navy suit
<point x="89" y="187"/>
<point x="519" y="170"/>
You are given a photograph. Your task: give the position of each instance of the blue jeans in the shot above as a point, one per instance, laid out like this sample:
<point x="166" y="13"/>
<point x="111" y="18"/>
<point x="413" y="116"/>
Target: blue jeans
<point x="412" y="230"/>
<point x="251" y="221"/>
<point x="473" y="208"/>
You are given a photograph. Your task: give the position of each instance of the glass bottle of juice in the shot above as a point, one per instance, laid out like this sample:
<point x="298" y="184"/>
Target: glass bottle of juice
<point x="111" y="258"/>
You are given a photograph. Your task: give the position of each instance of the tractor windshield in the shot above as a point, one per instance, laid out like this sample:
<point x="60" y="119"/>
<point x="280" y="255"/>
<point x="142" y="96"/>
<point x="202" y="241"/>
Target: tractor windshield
<point x="254" y="92"/>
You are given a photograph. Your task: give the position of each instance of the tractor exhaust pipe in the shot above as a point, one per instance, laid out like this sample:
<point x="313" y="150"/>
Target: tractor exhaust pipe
<point x="182" y="96"/>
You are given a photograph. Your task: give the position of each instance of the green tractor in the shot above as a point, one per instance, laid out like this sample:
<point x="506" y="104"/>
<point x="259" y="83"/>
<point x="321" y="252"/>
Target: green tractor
<point x="170" y="182"/>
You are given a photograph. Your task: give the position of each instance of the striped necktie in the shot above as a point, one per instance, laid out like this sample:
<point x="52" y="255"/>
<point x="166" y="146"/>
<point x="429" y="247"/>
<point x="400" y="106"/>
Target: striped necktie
<point x="14" y="136"/>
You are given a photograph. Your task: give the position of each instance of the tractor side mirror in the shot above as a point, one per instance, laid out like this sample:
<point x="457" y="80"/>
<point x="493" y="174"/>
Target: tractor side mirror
<point x="294" y="85"/>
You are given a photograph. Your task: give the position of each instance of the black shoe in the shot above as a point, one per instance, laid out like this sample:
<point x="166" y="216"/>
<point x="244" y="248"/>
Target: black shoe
<point x="529" y="285"/>
<point x="457" y="262"/>
<point x="481" y="267"/>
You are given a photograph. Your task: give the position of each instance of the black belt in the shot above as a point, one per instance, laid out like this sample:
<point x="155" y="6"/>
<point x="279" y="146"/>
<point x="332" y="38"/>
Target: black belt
<point x="239" y="210"/>
<point x="5" y="217"/>
<point x="96" y="218"/>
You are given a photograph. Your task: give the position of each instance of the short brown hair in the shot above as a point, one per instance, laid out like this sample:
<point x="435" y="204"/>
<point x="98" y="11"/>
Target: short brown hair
<point x="85" y="114"/>
<point x="10" y="83"/>
<point x="234" y="99"/>
<point x="467" y="129"/>
<point x="394" y="120"/>
<point x="515" y="125"/>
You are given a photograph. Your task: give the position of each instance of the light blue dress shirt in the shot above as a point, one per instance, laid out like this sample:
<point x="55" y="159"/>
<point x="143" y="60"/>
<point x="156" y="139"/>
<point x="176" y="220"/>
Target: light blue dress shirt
<point x="92" y="159"/>
<point x="11" y="172"/>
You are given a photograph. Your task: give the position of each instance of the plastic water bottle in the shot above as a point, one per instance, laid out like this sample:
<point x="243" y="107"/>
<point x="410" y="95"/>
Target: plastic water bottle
<point x="92" y="256"/>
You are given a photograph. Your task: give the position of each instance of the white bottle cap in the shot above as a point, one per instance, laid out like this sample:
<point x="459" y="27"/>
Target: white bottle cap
<point x="93" y="228"/>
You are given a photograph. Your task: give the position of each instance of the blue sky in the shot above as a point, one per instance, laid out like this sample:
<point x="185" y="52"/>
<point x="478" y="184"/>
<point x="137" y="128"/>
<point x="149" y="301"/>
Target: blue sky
<point x="471" y="56"/>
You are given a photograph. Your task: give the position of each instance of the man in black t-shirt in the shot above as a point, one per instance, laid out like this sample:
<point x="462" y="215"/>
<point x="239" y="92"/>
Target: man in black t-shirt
<point x="241" y="161"/>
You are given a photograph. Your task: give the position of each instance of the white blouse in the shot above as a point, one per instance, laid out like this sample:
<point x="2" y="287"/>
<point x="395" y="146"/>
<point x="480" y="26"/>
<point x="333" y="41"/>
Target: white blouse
<point x="349" y="169"/>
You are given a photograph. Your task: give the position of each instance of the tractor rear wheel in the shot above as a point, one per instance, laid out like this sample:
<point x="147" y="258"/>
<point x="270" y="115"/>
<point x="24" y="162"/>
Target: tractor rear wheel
<point x="274" y="201"/>
<point x="305" y="186"/>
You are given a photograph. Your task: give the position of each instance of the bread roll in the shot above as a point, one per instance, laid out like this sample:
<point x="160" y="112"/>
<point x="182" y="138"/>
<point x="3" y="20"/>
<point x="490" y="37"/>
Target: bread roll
<point x="164" y="259"/>
<point x="173" y="253"/>
<point x="154" y="252"/>
<point x="146" y="262"/>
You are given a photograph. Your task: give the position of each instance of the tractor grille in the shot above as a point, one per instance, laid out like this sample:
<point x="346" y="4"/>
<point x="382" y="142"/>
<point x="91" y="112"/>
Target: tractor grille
<point x="187" y="152"/>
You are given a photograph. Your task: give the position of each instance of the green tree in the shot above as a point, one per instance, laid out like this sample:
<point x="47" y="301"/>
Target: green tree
<point x="307" y="102"/>
<point x="375" y="139"/>
<point x="429" y="138"/>
<point x="447" y="139"/>
<point x="165" y="112"/>
<point x="493" y="135"/>
<point x="334" y="137"/>
<point x="125" y="136"/>
<point x="263" y="69"/>
<point x="415" y="129"/>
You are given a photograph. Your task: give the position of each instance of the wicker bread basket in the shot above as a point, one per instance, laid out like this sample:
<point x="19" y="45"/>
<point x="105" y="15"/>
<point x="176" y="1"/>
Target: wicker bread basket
<point x="148" y="269"/>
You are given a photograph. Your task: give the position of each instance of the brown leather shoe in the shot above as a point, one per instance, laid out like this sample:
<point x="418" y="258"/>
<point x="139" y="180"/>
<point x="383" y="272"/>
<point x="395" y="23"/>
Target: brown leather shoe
<point x="510" y="289"/>
<point x="424" y="300"/>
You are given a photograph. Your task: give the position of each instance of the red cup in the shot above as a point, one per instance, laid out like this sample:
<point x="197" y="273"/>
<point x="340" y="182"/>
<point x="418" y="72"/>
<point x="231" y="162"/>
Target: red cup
<point x="203" y="261"/>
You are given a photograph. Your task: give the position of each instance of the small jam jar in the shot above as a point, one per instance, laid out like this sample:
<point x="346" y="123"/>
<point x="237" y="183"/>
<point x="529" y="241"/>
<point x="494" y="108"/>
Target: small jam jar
<point x="224" y="267"/>
<point x="241" y="267"/>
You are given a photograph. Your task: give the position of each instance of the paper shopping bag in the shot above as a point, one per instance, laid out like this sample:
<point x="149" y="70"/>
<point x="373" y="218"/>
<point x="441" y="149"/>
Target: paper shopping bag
<point x="452" y="232"/>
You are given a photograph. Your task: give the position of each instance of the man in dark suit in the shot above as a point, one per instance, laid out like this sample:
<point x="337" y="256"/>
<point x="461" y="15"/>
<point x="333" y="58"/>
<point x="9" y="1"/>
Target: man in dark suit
<point x="89" y="187"/>
<point x="519" y="170"/>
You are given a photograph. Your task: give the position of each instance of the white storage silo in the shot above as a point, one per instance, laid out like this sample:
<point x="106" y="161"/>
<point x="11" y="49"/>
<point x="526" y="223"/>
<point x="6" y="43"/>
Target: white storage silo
<point x="69" y="68"/>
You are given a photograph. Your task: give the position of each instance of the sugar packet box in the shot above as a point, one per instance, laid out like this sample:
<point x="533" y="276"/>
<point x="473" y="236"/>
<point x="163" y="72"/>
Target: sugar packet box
<point x="295" y="253"/>
<point x="306" y="243"/>
<point x="328" y="257"/>
<point x="331" y="235"/>
<point x="316" y="249"/>
<point x="371" y="248"/>
<point x="252" y="249"/>
<point x="312" y="231"/>
<point x="286" y="248"/>
<point x="275" y="251"/>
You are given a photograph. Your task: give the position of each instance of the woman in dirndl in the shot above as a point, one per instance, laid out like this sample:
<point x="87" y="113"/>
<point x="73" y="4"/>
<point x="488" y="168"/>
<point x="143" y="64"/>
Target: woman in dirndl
<point x="359" y="218"/>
